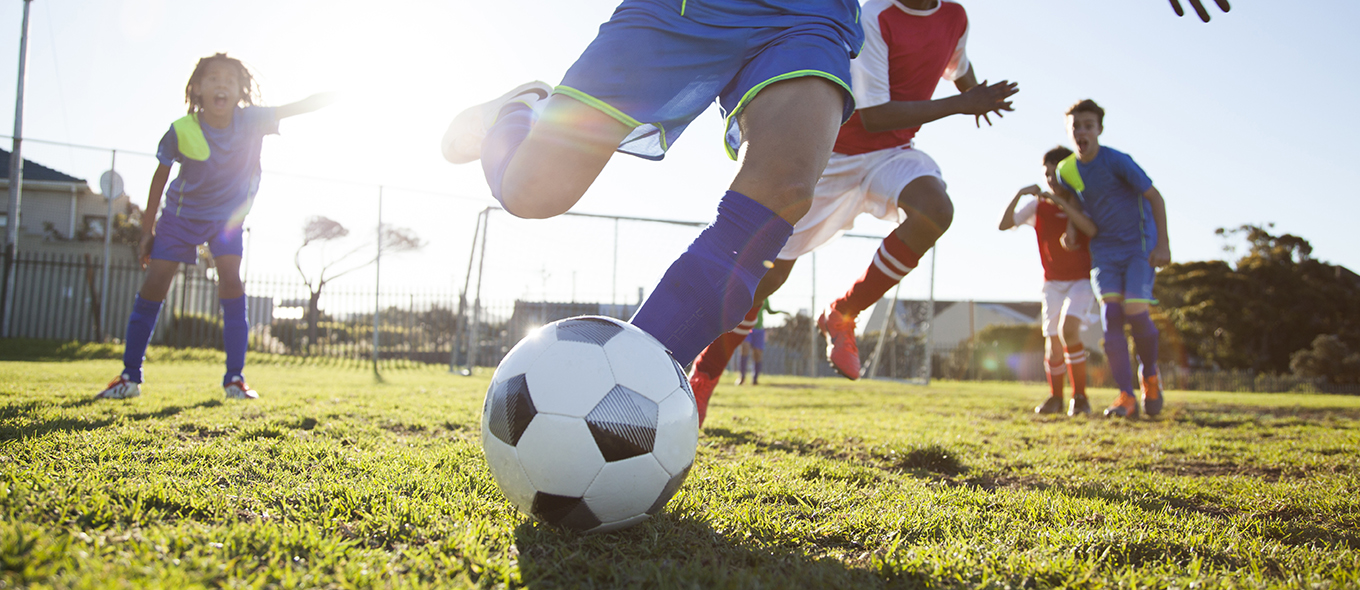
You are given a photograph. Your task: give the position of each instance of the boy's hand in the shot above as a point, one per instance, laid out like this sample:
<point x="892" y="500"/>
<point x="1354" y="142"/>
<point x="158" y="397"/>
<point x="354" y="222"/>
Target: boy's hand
<point x="1199" y="8"/>
<point x="984" y="99"/>
<point x="1032" y="189"/>
<point x="1161" y="256"/>
<point x="144" y="248"/>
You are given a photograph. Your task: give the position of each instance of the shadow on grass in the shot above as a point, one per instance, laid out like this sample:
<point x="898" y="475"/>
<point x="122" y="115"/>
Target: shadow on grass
<point x="34" y="419"/>
<point x="671" y="551"/>
<point x="929" y="461"/>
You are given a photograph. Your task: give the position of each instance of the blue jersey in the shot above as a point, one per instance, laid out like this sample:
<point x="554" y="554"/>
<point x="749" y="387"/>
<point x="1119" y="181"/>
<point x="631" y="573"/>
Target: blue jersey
<point x="221" y="187"/>
<point x="1111" y="189"/>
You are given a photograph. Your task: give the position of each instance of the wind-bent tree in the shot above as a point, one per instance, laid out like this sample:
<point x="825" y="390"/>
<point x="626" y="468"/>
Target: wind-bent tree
<point x="321" y="230"/>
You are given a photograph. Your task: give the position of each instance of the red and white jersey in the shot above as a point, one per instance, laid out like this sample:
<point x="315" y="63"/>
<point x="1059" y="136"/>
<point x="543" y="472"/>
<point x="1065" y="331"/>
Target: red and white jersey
<point x="1049" y="221"/>
<point x="906" y="53"/>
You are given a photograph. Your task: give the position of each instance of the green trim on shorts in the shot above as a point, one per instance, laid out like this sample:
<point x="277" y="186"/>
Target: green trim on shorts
<point x="682" y="6"/>
<point x="750" y="94"/>
<point x="1108" y="296"/>
<point x="609" y="109"/>
<point x="1147" y="301"/>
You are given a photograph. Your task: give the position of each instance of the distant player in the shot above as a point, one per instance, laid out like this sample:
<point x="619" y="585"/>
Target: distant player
<point x="753" y="347"/>
<point x="1068" y="297"/>
<point x="1129" y="242"/>
<point x="909" y="46"/>
<point x="217" y="147"/>
<point x="780" y="70"/>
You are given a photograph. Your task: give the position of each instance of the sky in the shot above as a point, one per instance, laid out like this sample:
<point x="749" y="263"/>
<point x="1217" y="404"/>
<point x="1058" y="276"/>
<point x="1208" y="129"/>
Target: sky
<point x="1237" y="121"/>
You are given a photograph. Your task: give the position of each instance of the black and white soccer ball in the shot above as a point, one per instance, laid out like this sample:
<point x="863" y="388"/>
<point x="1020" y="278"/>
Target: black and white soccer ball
<point x="589" y="424"/>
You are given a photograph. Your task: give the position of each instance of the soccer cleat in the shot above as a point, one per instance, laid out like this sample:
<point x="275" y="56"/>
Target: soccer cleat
<point x="741" y="380"/>
<point x="1126" y="406"/>
<point x="1079" y="405"/>
<point x="702" y="385"/>
<point x="841" y="348"/>
<point x="462" y="141"/>
<point x="1052" y="405"/>
<point x="1152" y="395"/>
<point x="121" y="388"/>
<point x="237" y="389"/>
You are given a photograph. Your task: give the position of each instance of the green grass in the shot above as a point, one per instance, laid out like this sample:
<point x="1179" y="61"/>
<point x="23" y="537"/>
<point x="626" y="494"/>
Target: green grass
<point x="332" y="480"/>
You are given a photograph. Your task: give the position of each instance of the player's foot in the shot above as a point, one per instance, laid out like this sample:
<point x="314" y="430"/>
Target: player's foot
<point x="841" y="348"/>
<point x="463" y="139"/>
<point x="1079" y="406"/>
<point x="121" y="388"/>
<point x="237" y="389"/>
<point x="1152" y="395"/>
<point x="1052" y="405"/>
<point x="741" y="380"/>
<point x="702" y="385"/>
<point x="1124" y="407"/>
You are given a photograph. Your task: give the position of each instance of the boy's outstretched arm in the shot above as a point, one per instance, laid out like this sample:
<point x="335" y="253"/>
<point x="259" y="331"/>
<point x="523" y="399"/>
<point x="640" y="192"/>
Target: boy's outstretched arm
<point x="153" y="204"/>
<point x="1161" y="255"/>
<point x="975" y="99"/>
<point x="306" y="105"/>
<point x="1008" y="219"/>
<point x="1072" y="207"/>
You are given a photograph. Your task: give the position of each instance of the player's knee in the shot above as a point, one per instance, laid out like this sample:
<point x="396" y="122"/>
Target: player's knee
<point x="1071" y="331"/>
<point x="926" y="197"/>
<point x="533" y="204"/>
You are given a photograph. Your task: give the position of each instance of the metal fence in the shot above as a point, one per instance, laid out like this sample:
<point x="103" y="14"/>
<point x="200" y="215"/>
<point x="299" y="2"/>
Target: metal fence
<point x="58" y="298"/>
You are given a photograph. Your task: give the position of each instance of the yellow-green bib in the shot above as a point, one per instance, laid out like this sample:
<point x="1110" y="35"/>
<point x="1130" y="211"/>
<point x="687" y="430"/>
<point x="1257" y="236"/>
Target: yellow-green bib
<point x="192" y="143"/>
<point x="1067" y="169"/>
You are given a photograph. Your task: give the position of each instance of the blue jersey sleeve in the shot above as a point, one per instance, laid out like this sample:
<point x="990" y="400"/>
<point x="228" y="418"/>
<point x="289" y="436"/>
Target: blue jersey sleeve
<point x="167" y="152"/>
<point x="1131" y="173"/>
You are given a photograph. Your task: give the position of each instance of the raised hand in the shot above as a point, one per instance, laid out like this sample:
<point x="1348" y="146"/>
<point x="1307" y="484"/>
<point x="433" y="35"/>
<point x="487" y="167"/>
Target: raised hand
<point x="1199" y="8"/>
<point x="984" y="99"/>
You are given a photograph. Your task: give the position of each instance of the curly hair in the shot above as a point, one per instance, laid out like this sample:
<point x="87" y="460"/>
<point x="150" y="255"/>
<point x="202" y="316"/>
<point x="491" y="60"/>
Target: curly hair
<point x="249" y="90"/>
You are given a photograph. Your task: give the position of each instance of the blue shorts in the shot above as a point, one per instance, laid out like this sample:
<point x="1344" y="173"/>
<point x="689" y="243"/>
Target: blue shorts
<point x="655" y="69"/>
<point x="1129" y="277"/>
<point x="177" y="239"/>
<point x="757" y="338"/>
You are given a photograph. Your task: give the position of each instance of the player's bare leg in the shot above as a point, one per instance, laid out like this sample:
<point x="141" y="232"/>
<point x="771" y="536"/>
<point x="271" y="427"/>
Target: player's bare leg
<point x="789" y="130"/>
<point x="559" y="160"/>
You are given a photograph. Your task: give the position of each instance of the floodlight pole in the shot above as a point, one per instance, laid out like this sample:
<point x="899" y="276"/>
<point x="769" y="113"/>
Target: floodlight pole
<point x="16" y="183"/>
<point x="812" y="332"/>
<point x="108" y="242"/>
<point x="377" y="285"/>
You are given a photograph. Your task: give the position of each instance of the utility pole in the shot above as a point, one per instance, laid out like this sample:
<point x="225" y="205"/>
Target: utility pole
<point x="16" y="183"/>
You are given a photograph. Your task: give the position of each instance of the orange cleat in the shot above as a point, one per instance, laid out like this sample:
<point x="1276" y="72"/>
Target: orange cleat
<point x="1152" y="395"/>
<point x="841" y="348"/>
<point x="1126" y="406"/>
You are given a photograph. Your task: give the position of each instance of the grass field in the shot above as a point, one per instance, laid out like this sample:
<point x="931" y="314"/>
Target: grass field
<point x="335" y="480"/>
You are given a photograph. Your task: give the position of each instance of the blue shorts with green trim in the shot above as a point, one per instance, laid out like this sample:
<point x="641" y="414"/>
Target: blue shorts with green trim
<point x="656" y="69"/>
<point x="1130" y="277"/>
<point x="177" y="238"/>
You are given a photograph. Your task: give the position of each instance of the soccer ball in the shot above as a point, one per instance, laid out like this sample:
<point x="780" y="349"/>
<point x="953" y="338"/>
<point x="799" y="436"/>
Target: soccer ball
<point x="589" y="424"/>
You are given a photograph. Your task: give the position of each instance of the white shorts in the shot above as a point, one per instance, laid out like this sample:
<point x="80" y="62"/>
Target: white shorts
<point x="1064" y="298"/>
<point x="862" y="183"/>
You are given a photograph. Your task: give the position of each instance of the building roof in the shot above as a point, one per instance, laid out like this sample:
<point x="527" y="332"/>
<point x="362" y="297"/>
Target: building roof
<point x="36" y="171"/>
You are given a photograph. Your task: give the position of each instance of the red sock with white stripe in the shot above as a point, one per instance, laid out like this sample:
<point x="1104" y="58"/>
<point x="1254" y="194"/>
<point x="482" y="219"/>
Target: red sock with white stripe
<point x="1076" y="364"/>
<point x="713" y="360"/>
<point x="893" y="260"/>
<point x="1056" y="374"/>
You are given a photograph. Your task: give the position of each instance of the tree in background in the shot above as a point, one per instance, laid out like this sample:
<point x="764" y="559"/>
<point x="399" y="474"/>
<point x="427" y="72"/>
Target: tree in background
<point x="1257" y="313"/>
<point x="322" y="231"/>
<point x="1329" y="359"/>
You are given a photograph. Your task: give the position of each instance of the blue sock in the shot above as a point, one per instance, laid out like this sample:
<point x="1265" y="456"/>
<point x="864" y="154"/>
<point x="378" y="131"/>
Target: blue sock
<point x="502" y="141"/>
<point x="1117" y="347"/>
<point x="709" y="289"/>
<point x="141" y="324"/>
<point x="755" y="375"/>
<point x="742" y="365"/>
<point x="235" y="335"/>
<point x="1145" y="342"/>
